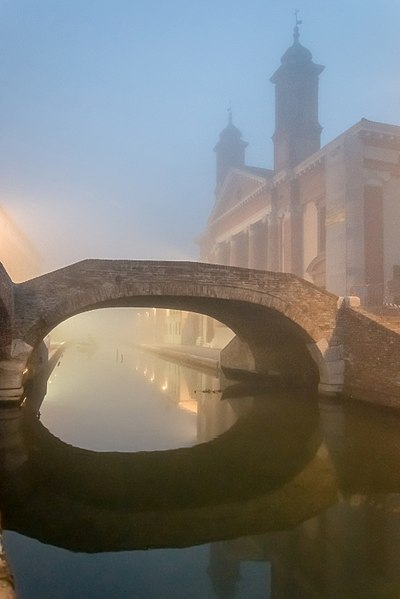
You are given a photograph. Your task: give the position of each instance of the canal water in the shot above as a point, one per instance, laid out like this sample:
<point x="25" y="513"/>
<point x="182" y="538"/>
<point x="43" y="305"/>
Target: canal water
<point x="139" y="478"/>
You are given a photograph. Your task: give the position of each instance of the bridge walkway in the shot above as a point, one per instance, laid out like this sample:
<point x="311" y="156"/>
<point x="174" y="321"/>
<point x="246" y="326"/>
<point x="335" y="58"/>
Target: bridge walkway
<point x="386" y="316"/>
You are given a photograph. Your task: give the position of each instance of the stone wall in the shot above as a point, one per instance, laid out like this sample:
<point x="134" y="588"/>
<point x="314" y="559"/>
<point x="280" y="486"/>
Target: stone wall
<point x="6" y="311"/>
<point x="372" y="359"/>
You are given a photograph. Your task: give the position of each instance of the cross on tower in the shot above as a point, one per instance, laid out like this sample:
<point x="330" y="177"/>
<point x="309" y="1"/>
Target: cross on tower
<point x="298" y="22"/>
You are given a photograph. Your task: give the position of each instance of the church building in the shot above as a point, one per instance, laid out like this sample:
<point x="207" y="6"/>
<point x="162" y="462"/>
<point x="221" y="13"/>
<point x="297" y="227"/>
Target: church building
<point x="330" y="215"/>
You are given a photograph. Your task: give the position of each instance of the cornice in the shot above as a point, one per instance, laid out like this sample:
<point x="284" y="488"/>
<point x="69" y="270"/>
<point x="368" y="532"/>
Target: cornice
<point x="241" y="204"/>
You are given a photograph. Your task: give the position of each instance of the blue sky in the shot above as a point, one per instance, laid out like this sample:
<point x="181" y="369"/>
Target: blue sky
<point x="109" y="110"/>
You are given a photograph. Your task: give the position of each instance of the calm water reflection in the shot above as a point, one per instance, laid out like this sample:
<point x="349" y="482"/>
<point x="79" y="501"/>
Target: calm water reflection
<point x="264" y="496"/>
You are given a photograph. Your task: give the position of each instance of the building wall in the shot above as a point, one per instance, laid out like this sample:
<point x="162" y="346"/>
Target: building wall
<point x="391" y="226"/>
<point x="354" y="210"/>
<point x="333" y="219"/>
<point x="382" y="168"/>
<point x="310" y="236"/>
<point x="17" y="253"/>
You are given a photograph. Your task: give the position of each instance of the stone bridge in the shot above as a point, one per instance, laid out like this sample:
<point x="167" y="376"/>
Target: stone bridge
<point x="282" y="323"/>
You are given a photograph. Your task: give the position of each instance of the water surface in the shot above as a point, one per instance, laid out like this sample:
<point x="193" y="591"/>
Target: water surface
<point x="140" y="479"/>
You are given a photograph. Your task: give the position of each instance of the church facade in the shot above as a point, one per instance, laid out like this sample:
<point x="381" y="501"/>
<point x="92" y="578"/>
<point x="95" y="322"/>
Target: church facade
<point x="330" y="215"/>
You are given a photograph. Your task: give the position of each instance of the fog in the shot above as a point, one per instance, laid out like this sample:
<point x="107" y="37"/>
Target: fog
<point x="102" y="326"/>
<point x="109" y="111"/>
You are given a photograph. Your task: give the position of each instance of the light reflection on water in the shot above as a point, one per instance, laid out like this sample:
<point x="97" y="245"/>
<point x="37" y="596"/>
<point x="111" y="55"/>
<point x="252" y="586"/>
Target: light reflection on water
<point x="292" y="503"/>
<point x="108" y="405"/>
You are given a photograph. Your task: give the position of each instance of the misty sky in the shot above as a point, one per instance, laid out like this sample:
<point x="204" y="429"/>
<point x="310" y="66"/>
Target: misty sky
<point x="109" y="110"/>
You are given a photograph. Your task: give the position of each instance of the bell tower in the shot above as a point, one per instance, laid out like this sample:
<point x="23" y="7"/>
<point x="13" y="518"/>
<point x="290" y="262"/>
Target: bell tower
<point x="230" y="150"/>
<point x="297" y="130"/>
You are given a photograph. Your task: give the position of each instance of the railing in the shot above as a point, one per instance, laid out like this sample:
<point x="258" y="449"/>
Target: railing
<point x="377" y="296"/>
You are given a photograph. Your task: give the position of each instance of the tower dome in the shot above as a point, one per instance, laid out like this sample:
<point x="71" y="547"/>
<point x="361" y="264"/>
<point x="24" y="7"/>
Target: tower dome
<point x="297" y="53"/>
<point x="230" y="149"/>
<point x="230" y="133"/>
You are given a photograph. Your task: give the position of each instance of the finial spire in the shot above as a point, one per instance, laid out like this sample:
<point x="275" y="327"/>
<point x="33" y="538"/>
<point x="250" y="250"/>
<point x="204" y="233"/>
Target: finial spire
<point x="296" y="32"/>
<point x="230" y="114"/>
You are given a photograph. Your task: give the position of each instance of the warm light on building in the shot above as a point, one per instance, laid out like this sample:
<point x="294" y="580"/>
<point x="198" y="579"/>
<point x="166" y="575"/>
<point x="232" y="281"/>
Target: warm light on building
<point x="17" y="254"/>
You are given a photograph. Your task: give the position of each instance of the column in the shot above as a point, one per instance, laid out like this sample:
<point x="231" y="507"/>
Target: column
<point x="273" y="251"/>
<point x="244" y="249"/>
<point x="234" y="258"/>
<point x="264" y="237"/>
<point x="258" y="242"/>
<point x="219" y="253"/>
<point x="253" y="246"/>
<point x="296" y="222"/>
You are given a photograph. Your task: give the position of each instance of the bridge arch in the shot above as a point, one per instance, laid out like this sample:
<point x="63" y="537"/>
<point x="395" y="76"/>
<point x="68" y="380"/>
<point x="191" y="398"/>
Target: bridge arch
<point x="265" y="310"/>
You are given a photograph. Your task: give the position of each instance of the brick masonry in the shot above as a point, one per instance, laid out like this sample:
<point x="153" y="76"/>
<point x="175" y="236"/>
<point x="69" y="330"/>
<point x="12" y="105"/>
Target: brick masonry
<point x="44" y="302"/>
<point x="6" y="310"/>
<point x="372" y="359"/>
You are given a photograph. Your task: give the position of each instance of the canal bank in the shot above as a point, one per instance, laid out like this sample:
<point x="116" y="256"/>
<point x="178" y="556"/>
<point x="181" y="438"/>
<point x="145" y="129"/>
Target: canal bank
<point x="198" y="357"/>
<point x="6" y="578"/>
<point x="208" y="360"/>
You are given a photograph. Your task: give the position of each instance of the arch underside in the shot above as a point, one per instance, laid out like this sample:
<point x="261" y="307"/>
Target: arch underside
<point x="277" y="344"/>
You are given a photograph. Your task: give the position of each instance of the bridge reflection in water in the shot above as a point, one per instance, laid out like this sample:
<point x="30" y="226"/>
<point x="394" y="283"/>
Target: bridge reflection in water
<point x="311" y="488"/>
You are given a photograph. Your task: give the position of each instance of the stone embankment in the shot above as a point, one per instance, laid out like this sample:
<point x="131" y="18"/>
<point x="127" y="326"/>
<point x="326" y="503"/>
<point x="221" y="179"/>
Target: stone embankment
<point x="202" y="358"/>
<point x="6" y="578"/>
<point x="371" y="345"/>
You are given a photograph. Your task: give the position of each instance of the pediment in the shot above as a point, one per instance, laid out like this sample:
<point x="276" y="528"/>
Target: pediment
<point x="238" y="185"/>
